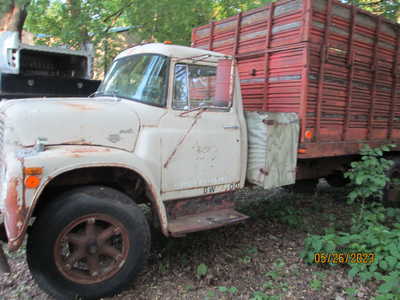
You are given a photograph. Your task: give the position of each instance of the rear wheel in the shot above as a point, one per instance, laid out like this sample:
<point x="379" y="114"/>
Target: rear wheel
<point x="337" y="179"/>
<point x="89" y="243"/>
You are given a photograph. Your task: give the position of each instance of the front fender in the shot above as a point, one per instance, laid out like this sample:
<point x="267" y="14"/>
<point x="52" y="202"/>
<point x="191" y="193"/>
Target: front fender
<point x="57" y="160"/>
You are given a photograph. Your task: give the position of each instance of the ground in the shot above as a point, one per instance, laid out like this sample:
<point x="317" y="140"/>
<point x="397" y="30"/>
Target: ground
<point x="257" y="260"/>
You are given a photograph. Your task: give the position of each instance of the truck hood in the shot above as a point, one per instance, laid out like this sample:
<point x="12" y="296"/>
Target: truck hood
<point x="74" y="121"/>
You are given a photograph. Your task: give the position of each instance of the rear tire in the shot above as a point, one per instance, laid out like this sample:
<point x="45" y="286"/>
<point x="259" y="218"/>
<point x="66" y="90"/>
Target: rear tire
<point x="90" y="242"/>
<point x="337" y="179"/>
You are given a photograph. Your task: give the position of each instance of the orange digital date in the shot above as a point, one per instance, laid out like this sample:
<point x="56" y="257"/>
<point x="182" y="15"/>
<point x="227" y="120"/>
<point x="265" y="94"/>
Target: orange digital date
<point x="344" y="258"/>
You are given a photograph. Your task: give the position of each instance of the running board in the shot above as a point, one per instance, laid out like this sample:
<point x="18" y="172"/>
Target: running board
<point x="207" y="220"/>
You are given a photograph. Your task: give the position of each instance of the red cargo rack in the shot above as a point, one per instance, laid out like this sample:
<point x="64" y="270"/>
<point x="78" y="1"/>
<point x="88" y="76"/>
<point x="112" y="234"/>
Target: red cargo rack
<point x="335" y="65"/>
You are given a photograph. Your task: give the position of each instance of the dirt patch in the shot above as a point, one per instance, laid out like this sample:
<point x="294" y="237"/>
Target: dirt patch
<point x="258" y="258"/>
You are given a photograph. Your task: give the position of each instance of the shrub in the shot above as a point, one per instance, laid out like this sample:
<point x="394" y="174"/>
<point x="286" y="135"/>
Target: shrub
<point x="375" y="230"/>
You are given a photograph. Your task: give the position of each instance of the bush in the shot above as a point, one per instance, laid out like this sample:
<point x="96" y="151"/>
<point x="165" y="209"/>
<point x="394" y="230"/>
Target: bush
<point x="368" y="176"/>
<point x="374" y="231"/>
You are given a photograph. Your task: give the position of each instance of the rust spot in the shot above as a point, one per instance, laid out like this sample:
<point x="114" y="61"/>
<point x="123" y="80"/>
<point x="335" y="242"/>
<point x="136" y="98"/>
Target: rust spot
<point x="269" y="122"/>
<point x="79" y="106"/>
<point x="15" y="215"/>
<point x="77" y="142"/>
<point x="196" y="205"/>
<point x="196" y="118"/>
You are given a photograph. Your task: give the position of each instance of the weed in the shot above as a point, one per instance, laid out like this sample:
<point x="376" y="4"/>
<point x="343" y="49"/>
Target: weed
<point x="201" y="271"/>
<point x="228" y="290"/>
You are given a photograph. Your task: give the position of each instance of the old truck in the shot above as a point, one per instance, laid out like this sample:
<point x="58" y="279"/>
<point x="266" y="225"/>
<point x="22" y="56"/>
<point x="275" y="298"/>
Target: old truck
<point x="167" y="128"/>
<point x="41" y="71"/>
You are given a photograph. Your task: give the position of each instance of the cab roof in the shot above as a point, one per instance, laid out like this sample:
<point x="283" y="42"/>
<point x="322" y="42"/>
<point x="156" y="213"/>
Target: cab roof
<point x="174" y="51"/>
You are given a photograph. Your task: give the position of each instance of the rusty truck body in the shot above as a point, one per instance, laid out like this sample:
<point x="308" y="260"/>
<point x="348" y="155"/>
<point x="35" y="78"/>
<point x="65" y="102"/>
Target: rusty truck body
<point x="167" y="128"/>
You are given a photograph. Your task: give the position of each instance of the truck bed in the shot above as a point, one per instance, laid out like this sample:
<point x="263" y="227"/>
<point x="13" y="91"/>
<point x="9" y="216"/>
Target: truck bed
<point x="334" y="65"/>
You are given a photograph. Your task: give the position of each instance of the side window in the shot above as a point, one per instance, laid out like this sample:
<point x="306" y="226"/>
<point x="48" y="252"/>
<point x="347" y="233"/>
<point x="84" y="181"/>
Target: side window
<point x="194" y="86"/>
<point x="181" y="99"/>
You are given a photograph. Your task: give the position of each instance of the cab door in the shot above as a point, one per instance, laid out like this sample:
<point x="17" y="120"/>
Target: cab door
<point x="201" y="137"/>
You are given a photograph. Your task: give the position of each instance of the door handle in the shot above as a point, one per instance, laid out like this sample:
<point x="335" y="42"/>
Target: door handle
<point x="231" y="127"/>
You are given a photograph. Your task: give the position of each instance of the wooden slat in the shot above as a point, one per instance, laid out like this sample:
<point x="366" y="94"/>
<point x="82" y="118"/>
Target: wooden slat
<point x="350" y="62"/>
<point x="211" y="38"/>
<point x="237" y="34"/>
<point x="396" y="81"/>
<point x="324" y="51"/>
<point x="374" y="79"/>
<point x="268" y="36"/>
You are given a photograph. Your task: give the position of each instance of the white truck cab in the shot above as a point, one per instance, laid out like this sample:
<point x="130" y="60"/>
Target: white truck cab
<point x="165" y="128"/>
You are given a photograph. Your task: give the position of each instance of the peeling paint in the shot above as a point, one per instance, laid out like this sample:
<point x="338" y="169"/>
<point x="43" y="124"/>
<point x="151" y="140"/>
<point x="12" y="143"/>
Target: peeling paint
<point x="15" y="214"/>
<point x="80" y="106"/>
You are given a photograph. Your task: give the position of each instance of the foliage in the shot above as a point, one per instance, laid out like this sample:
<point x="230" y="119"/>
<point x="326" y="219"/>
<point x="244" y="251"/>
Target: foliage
<point x="371" y="246"/>
<point x="258" y="295"/>
<point x="376" y="233"/>
<point x="229" y="290"/>
<point x="368" y="176"/>
<point x="388" y="8"/>
<point x="5" y="4"/>
<point x="201" y="270"/>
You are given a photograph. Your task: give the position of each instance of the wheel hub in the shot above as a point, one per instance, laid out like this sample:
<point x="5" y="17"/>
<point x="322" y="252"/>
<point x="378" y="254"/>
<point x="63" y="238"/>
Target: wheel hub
<point x="91" y="249"/>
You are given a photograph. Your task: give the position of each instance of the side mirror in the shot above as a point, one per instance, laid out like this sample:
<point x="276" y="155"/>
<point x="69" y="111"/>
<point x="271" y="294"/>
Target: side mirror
<point x="223" y="83"/>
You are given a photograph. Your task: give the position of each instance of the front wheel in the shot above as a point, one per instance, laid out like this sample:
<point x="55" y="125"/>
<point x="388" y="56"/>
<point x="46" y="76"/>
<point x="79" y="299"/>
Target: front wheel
<point x="88" y="243"/>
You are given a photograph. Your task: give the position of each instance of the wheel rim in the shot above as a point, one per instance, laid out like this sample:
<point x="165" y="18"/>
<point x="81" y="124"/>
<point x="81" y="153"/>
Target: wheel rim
<point x="393" y="191"/>
<point x="91" y="249"/>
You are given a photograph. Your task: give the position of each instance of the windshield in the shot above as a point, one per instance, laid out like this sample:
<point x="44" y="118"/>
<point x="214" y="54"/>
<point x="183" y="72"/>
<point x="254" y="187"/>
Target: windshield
<point x="140" y="78"/>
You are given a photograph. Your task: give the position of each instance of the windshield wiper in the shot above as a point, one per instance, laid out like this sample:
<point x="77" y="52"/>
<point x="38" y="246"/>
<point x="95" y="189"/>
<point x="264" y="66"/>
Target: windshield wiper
<point x="94" y="94"/>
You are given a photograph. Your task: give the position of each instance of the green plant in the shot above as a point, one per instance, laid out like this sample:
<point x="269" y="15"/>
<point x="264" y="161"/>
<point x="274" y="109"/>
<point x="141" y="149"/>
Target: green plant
<point x="258" y="295"/>
<point x="375" y="234"/>
<point x="230" y="290"/>
<point x="245" y="260"/>
<point x="315" y="284"/>
<point x="368" y="176"/>
<point x="201" y="271"/>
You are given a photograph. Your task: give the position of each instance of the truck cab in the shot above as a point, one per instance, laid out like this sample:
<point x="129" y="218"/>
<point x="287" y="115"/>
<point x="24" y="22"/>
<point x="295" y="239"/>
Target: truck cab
<point x="165" y="128"/>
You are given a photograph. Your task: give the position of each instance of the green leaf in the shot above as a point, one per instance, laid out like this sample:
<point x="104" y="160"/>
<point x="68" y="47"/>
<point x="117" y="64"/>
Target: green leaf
<point x="383" y="264"/>
<point x="202" y="270"/>
<point x="317" y="244"/>
<point x="353" y="272"/>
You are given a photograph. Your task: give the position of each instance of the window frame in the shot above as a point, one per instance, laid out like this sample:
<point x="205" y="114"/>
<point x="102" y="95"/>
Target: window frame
<point x="187" y="64"/>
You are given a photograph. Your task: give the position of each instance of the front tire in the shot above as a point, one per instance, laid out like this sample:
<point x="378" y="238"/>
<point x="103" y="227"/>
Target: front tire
<point x="90" y="242"/>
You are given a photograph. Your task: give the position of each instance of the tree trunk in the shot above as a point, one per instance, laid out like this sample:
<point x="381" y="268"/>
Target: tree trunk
<point x="13" y="18"/>
<point x="75" y="7"/>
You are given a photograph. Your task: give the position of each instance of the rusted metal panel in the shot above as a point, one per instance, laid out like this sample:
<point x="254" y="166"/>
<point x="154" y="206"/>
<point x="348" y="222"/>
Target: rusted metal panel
<point x="204" y="221"/>
<point x="272" y="148"/>
<point x="192" y="206"/>
<point x="333" y="64"/>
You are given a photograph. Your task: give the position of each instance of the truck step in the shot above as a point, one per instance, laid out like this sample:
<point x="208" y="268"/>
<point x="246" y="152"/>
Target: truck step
<point x="208" y="220"/>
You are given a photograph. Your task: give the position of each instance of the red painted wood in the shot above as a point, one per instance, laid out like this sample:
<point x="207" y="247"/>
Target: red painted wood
<point x="280" y="63"/>
<point x="350" y="63"/>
